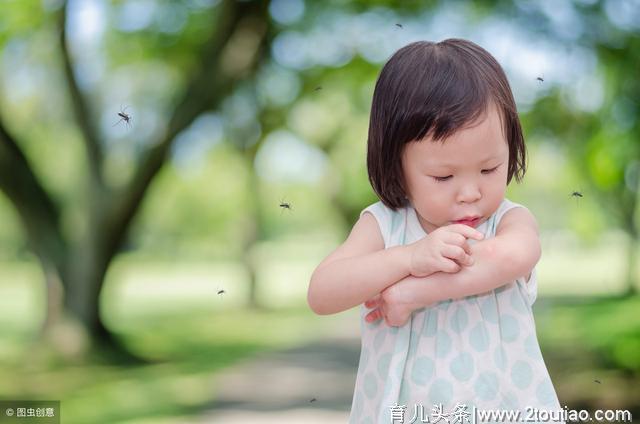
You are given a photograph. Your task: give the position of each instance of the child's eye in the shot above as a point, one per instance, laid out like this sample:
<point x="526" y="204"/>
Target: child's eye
<point x="442" y="179"/>
<point x="489" y="171"/>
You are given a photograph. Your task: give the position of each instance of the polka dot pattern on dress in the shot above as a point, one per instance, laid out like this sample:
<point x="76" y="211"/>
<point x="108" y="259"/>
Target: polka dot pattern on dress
<point x="480" y="350"/>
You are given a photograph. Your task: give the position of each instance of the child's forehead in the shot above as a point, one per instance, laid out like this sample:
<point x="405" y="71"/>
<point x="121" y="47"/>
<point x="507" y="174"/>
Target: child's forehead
<point x="486" y="132"/>
<point x="470" y="147"/>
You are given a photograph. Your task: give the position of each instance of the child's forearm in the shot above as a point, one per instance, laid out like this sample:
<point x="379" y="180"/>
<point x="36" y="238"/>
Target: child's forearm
<point x="345" y="283"/>
<point x="493" y="267"/>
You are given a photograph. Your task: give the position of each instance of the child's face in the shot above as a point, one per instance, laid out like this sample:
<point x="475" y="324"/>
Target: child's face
<point x="472" y="166"/>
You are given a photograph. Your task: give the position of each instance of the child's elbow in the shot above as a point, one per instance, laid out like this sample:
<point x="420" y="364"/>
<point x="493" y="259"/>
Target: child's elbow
<point x="314" y="299"/>
<point x="315" y="306"/>
<point x="312" y="302"/>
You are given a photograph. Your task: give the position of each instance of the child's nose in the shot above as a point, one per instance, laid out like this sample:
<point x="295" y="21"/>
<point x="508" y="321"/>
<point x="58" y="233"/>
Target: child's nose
<point x="469" y="192"/>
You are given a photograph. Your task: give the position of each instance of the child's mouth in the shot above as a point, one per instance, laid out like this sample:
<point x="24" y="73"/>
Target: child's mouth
<point x="470" y="222"/>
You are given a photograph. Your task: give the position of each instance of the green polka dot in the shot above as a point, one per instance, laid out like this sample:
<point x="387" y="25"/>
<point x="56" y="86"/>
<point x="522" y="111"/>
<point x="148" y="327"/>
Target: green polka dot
<point x="521" y="374"/>
<point x="414" y="343"/>
<point x="509" y="328"/>
<point x="545" y="393"/>
<point x="479" y="337"/>
<point x="441" y="391"/>
<point x="402" y="340"/>
<point x="431" y="324"/>
<point x="364" y="357"/>
<point x="379" y="339"/>
<point x="357" y="405"/>
<point x="500" y="358"/>
<point x="422" y="370"/>
<point x="405" y="394"/>
<point x="444" y="305"/>
<point x="383" y="365"/>
<point x="518" y="304"/>
<point x="461" y="366"/>
<point x="370" y="385"/>
<point x="531" y="347"/>
<point x="400" y="369"/>
<point x="486" y="385"/>
<point x="387" y="387"/>
<point x="459" y="320"/>
<point x="509" y="401"/>
<point x="385" y="416"/>
<point x="489" y="309"/>
<point x="503" y="288"/>
<point x="443" y="344"/>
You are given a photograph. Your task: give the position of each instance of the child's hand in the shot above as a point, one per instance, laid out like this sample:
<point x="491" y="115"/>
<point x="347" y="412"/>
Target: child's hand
<point x="394" y="304"/>
<point x="393" y="315"/>
<point x="445" y="249"/>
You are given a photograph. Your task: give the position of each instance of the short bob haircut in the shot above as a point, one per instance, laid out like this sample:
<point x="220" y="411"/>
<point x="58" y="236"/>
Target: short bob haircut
<point x="435" y="89"/>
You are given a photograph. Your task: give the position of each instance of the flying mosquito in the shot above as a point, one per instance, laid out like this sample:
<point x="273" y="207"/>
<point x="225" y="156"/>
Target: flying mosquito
<point x="285" y="205"/>
<point x="399" y="26"/>
<point x="318" y="88"/>
<point x="221" y="292"/>
<point x="124" y="117"/>
<point x="312" y="400"/>
<point x="540" y="79"/>
<point x="576" y="194"/>
<point x="598" y="381"/>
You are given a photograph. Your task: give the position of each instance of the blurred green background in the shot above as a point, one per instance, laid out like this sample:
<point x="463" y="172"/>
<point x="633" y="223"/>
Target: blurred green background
<point x="140" y="259"/>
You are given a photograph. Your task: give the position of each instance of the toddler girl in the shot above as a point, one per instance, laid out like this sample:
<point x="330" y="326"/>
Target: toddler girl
<point x="444" y="263"/>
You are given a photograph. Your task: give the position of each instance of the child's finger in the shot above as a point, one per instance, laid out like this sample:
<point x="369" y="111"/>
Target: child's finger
<point x="467" y="231"/>
<point x="458" y="254"/>
<point x="373" y="302"/>
<point x="374" y="315"/>
<point x="449" y="265"/>
<point x="370" y="317"/>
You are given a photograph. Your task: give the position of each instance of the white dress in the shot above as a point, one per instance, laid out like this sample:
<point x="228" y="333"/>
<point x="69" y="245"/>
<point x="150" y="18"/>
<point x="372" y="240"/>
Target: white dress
<point x="480" y="351"/>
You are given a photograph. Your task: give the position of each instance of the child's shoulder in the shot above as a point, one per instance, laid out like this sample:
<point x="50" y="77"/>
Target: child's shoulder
<point x="514" y="215"/>
<point x="389" y="220"/>
<point x="507" y="206"/>
<point x="384" y="214"/>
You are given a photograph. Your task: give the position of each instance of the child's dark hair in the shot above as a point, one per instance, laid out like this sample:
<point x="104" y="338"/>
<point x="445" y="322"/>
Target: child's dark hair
<point x="435" y="89"/>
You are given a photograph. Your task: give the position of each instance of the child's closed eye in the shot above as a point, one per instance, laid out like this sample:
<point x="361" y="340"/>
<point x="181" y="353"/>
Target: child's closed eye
<point x="484" y="171"/>
<point x="489" y="171"/>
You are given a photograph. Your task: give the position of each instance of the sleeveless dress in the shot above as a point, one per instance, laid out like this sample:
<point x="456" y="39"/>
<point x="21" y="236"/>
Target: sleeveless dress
<point x="480" y="351"/>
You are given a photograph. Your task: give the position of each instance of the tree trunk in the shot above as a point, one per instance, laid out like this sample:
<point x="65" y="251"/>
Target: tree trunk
<point x="88" y="265"/>
<point x="254" y="232"/>
<point x="54" y="295"/>
<point x="632" y="266"/>
<point x="80" y="266"/>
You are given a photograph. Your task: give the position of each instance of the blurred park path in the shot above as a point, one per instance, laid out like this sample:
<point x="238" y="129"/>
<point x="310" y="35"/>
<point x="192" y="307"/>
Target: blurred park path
<point x="308" y="384"/>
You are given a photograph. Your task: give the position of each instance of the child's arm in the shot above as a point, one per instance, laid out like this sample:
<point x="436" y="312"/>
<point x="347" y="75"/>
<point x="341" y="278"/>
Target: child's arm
<point x="511" y="254"/>
<point x="362" y="267"/>
<point x="358" y="269"/>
